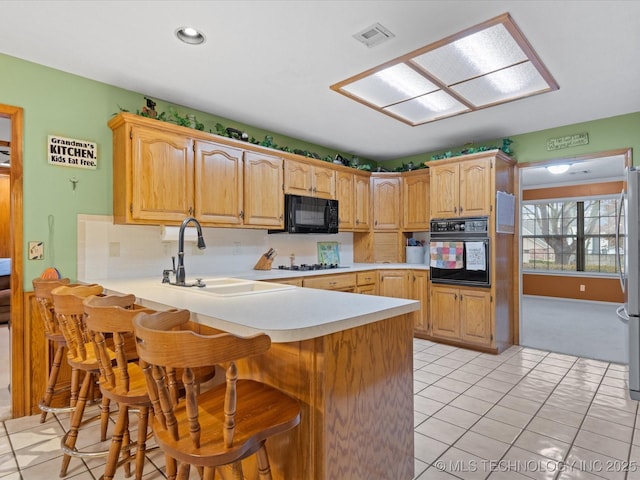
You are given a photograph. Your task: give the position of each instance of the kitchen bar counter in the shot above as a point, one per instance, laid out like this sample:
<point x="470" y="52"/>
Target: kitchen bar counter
<point x="348" y="358"/>
<point x="289" y="315"/>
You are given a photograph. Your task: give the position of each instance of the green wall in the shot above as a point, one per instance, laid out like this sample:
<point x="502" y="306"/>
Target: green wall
<point x="605" y="134"/>
<point x="58" y="103"/>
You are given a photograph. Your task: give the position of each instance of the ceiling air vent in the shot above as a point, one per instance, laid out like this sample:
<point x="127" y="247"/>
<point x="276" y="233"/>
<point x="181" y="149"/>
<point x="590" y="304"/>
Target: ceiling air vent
<point x="373" y="35"/>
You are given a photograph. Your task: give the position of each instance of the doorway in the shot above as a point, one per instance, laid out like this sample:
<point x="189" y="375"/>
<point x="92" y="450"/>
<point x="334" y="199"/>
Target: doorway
<point x="568" y="281"/>
<point x="19" y="368"/>
<point x="5" y="269"/>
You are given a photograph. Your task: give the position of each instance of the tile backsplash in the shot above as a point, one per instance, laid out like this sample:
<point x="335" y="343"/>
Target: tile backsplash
<point x="106" y="250"/>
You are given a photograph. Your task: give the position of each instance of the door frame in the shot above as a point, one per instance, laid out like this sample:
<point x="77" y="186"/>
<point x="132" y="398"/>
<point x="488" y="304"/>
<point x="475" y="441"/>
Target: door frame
<point x="20" y="385"/>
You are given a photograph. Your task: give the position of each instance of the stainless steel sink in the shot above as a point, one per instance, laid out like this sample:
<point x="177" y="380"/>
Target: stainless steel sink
<point x="231" y="287"/>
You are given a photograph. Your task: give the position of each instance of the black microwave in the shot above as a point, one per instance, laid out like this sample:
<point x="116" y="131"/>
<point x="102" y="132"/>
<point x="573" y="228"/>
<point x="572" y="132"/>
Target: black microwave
<point x="309" y="215"/>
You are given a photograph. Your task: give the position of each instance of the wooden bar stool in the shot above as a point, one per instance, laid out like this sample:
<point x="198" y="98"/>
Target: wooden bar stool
<point x="215" y="428"/>
<point x="111" y="317"/>
<point x="69" y="313"/>
<point x="42" y="291"/>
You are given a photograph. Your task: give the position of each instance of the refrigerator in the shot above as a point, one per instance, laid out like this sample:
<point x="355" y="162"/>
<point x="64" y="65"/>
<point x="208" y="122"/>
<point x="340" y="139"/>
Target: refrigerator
<point x="628" y="262"/>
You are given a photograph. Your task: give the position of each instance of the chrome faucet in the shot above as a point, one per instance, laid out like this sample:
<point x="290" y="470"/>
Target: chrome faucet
<point x="180" y="273"/>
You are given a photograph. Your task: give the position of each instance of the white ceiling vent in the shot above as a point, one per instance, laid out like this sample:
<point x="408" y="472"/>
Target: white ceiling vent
<point x="373" y="35"/>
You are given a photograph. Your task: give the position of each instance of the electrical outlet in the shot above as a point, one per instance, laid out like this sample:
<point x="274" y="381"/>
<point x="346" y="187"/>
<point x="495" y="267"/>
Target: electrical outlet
<point x="236" y="248"/>
<point x="583" y="288"/>
<point x="114" y="249"/>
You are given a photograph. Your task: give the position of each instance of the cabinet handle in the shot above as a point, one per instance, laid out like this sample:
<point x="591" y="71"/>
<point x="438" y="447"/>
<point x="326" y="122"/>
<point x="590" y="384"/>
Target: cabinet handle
<point x="281" y="217"/>
<point x="190" y="210"/>
<point x="241" y="213"/>
<point x="455" y="209"/>
<point x="455" y="296"/>
<point x="332" y="283"/>
<point x="461" y="209"/>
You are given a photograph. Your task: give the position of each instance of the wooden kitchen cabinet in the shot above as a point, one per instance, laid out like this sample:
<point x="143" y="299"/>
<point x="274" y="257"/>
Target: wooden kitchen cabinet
<point x="367" y="283"/>
<point x="419" y="285"/>
<point x="462" y="314"/>
<point x="345" y="194"/>
<point x="444" y="314"/>
<point x="163" y="173"/>
<point x="386" y="201"/>
<point x="475" y="317"/>
<point x="309" y="180"/>
<point x="461" y="188"/>
<point x="362" y="222"/>
<point x="415" y="200"/>
<point x="393" y="283"/>
<point x="153" y="176"/>
<point x="343" y="282"/>
<point x="219" y="180"/>
<point x="263" y="199"/>
<point x="352" y="193"/>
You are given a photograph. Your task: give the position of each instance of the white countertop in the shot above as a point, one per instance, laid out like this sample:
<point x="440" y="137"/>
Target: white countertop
<point x="286" y="316"/>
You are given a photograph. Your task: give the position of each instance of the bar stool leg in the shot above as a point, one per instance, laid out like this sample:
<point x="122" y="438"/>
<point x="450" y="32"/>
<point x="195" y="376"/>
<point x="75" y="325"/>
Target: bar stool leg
<point x="69" y="440"/>
<point x="264" y="469"/>
<point x="141" y="450"/>
<point x="172" y="467"/>
<point x="75" y="386"/>
<point x="53" y="379"/>
<point x="104" y="417"/>
<point x="116" y="443"/>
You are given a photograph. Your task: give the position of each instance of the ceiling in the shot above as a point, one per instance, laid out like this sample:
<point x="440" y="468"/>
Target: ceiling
<point x="270" y="63"/>
<point x="601" y="169"/>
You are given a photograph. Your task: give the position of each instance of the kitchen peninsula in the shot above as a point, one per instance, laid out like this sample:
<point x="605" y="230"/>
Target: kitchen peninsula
<point x="346" y="357"/>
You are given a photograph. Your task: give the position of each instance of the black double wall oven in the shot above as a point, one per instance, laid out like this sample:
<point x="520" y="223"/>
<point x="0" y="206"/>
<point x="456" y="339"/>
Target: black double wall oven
<point x="459" y="251"/>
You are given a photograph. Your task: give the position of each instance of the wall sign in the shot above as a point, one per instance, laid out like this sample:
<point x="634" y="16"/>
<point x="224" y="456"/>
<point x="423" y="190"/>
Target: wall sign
<point x="568" y="141"/>
<point x="71" y="152"/>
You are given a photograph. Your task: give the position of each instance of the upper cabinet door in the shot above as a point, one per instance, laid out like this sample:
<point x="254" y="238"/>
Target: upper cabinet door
<point x="162" y="175"/>
<point x="445" y="190"/>
<point x="263" y="198"/>
<point x="346" y="200"/>
<point x="309" y="180"/>
<point x="218" y="183"/>
<point x="297" y="178"/>
<point x="386" y="202"/>
<point x="415" y="195"/>
<point x="324" y="182"/>
<point x="475" y="187"/>
<point x="362" y="187"/>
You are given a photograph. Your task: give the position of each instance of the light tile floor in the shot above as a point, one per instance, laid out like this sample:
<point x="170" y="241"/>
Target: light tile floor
<point x="522" y="414"/>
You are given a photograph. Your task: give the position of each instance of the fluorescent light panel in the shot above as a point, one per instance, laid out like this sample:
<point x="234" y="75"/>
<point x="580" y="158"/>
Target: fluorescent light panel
<point x="486" y="65"/>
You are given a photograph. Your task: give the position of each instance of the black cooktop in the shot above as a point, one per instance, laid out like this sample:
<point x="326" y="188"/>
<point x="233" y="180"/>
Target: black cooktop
<point x="314" y="266"/>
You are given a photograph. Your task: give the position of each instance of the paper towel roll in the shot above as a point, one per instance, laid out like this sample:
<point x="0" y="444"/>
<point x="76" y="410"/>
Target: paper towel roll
<point x="415" y="254"/>
<point x="170" y="234"/>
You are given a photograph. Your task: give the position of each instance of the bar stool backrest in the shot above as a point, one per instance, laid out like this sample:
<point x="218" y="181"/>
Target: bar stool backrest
<point x="42" y="288"/>
<point x="111" y="317"/>
<point x="69" y="313"/>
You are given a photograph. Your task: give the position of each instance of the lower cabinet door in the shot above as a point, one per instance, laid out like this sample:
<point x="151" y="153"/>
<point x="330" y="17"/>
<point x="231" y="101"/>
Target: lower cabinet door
<point x="445" y="312"/>
<point x="475" y="315"/>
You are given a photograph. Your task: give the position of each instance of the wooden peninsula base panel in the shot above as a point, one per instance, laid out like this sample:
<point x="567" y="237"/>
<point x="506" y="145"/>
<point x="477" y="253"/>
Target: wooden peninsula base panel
<point x="356" y="391"/>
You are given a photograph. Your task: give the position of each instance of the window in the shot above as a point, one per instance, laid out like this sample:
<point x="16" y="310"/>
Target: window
<point x="570" y="235"/>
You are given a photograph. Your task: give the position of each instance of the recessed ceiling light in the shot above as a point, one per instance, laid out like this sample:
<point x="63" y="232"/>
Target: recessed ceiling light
<point x="558" y="169"/>
<point x="482" y="66"/>
<point x="190" y="35"/>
